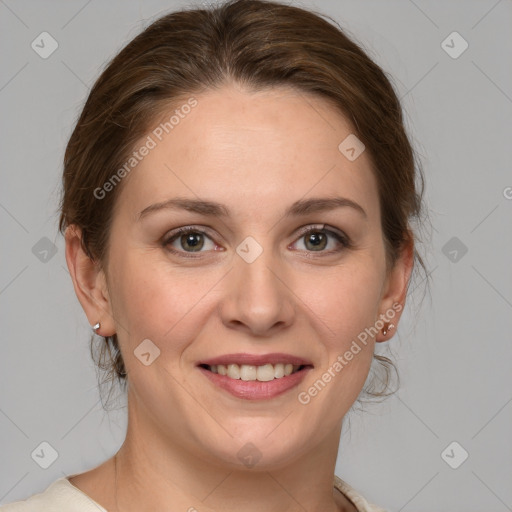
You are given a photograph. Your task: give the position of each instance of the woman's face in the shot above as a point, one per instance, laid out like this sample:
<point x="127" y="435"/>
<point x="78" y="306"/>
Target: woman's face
<point x="254" y="172"/>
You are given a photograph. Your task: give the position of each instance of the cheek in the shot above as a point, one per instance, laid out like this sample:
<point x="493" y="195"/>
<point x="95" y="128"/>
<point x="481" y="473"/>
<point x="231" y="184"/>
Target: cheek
<point x="344" y="301"/>
<point x="157" y="301"/>
<point x="343" y="307"/>
<point x="145" y="299"/>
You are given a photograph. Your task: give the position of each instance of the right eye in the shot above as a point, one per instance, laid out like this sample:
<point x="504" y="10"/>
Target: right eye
<point x="189" y="238"/>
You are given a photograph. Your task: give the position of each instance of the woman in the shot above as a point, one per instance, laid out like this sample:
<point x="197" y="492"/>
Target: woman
<point x="236" y="203"/>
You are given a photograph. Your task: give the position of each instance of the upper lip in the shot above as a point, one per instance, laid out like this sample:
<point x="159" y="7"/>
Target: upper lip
<point x="256" y="359"/>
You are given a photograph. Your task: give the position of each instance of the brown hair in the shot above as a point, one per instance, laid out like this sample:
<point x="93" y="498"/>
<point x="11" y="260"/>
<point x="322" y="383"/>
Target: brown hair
<point x="259" y="44"/>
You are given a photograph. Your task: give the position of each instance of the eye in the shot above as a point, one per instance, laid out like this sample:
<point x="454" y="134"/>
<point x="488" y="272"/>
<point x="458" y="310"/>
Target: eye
<point x="317" y="239"/>
<point x="188" y="239"/>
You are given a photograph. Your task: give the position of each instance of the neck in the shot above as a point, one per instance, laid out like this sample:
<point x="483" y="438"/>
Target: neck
<point x="180" y="480"/>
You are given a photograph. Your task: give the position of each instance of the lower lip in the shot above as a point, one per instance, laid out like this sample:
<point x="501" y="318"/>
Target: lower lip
<point x="254" y="389"/>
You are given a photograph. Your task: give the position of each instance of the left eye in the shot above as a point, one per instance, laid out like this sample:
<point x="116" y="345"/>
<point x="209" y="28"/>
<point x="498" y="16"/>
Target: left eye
<point x="317" y="239"/>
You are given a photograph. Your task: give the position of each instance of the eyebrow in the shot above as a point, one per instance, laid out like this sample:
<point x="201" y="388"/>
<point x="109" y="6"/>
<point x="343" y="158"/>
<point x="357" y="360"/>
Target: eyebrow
<point x="211" y="208"/>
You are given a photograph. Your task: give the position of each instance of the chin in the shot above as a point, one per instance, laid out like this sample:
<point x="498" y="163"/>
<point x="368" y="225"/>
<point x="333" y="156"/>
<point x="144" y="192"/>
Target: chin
<point x="256" y="449"/>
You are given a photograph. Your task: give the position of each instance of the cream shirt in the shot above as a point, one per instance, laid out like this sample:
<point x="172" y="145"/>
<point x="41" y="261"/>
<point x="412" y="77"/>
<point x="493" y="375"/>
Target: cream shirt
<point x="63" y="496"/>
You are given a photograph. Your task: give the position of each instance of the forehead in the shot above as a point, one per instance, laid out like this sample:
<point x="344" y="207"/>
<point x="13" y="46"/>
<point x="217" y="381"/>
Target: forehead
<point x="243" y="148"/>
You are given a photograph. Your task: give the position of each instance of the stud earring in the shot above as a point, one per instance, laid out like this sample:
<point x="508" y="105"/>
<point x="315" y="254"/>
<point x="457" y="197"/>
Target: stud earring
<point x="96" y="327"/>
<point x="387" y="328"/>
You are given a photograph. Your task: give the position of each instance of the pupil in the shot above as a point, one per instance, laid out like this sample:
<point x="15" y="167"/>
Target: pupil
<point x="317" y="239"/>
<point x="191" y="240"/>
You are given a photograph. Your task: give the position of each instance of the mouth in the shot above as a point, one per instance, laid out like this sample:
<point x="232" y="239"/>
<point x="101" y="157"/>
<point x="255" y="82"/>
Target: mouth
<point x="255" y="377"/>
<point x="262" y="373"/>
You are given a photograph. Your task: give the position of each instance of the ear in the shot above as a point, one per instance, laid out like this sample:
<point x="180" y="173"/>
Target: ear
<point x="395" y="290"/>
<point x="89" y="283"/>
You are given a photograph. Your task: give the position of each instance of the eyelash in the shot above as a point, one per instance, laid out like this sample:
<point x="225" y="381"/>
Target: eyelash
<point x="342" y="239"/>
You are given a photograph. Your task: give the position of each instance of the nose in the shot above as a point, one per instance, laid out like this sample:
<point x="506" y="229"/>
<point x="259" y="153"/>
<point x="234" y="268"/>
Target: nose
<point x="257" y="297"/>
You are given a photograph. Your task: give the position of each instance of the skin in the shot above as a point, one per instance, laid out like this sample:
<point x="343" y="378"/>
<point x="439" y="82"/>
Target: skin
<point x="256" y="153"/>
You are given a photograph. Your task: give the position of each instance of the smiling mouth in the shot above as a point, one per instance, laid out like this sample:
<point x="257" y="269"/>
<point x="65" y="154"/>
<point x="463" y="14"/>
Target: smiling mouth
<point x="264" y="373"/>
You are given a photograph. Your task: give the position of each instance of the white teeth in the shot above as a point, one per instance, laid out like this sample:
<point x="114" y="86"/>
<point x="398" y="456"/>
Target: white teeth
<point x="249" y="372"/>
<point x="265" y="373"/>
<point x="279" y="370"/>
<point x="233" y="371"/>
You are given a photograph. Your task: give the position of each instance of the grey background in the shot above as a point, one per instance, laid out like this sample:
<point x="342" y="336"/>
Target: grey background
<point x="453" y="350"/>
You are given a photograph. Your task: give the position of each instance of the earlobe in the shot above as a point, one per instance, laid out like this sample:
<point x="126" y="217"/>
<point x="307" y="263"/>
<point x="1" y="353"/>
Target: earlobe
<point x="395" y="292"/>
<point x="89" y="282"/>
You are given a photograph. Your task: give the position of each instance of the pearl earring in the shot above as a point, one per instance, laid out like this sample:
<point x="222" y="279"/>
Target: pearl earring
<point x="96" y="327"/>
<point x="387" y="328"/>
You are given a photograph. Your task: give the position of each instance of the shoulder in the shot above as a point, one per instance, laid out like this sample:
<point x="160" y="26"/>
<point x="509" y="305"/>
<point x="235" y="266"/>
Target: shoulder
<point x="61" y="493"/>
<point x="357" y="499"/>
